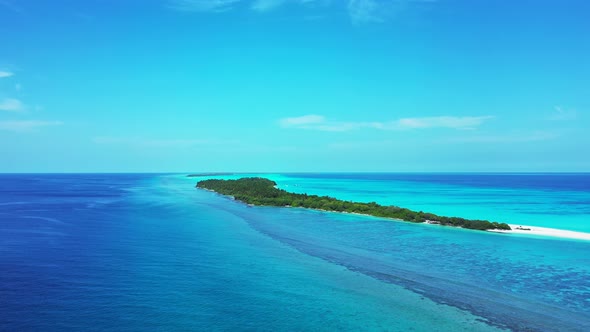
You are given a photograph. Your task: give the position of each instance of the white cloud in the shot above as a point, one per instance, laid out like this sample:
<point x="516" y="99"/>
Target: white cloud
<point x="203" y="5"/>
<point x="11" y="105"/>
<point x="464" y="122"/>
<point x="5" y="74"/>
<point x="27" y="125"/>
<point x="318" y="122"/>
<point x="302" y="120"/>
<point x="562" y="114"/>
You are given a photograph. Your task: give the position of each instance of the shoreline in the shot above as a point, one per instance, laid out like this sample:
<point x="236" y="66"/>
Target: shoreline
<point x="543" y="231"/>
<point x="517" y="229"/>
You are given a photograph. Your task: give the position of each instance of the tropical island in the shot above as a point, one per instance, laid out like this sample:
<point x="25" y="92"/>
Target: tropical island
<point x="263" y="192"/>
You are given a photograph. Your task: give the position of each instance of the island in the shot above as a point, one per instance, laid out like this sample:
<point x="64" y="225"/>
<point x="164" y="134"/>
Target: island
<point x="263" y="192"/>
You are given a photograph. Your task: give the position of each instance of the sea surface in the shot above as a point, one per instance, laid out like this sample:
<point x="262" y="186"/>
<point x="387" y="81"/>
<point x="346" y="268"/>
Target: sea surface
<point x="136" y="252"/>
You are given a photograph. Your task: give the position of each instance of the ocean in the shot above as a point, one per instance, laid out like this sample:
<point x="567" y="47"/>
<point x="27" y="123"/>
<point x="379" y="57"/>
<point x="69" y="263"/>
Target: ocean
<point x="136" y="252"/>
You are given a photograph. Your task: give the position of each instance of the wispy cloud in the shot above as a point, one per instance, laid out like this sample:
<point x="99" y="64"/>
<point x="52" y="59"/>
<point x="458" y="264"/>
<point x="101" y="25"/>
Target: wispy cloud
<point x="455" y="122"/>
<point x="505" y="138"/>
<point x="476" y="139"/>
<point x="376" y="11"/>
<point x="266" y="5"/>
<point x="4" y="73"/>
<point x="202" y="5"/>
<point x="318" y="122"/>
<point x="350" y="145"/>
<point x="11" y="6"/>
<point x="363" y="11"/>
<point x="27" y="125"/>
<point x="311" y="119"/>
<point x="562" y="114"/>
<point x="359" y="11"/>
<point x="159" y="143"/>
<point x="11" y="105"/>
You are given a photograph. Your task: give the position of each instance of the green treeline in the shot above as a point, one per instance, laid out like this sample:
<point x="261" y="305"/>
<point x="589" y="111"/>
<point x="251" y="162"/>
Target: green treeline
<point x="260" y="191"/>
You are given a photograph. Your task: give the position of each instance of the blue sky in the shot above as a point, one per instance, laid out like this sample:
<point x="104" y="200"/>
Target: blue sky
<point x="294" y="85"/>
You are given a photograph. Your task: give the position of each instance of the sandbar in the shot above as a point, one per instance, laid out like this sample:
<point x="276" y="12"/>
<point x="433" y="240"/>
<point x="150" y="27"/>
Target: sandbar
<point x="544" y="231"/>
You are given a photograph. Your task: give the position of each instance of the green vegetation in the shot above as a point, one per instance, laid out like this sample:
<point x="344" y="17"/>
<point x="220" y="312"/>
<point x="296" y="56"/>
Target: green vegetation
<point x="260" y="191"/>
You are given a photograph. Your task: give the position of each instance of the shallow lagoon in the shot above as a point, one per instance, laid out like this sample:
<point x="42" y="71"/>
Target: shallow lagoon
<point x="150" y="251"/>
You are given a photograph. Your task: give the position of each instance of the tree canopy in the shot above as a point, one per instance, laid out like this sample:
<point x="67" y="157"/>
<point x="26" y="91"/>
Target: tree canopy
<point x="261" y="191"/>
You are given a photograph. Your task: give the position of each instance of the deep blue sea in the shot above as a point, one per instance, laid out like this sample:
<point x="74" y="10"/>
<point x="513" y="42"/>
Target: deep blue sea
<point x="94" y="252"/>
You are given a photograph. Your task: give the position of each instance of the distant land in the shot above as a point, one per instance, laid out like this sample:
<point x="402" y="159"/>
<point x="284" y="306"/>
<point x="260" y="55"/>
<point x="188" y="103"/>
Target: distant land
<point x="263" y="192"/>
<point x="209" y="174"/>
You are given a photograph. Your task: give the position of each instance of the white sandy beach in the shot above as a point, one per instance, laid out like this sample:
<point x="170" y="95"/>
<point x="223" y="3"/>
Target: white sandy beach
<point x="544" y="231"/>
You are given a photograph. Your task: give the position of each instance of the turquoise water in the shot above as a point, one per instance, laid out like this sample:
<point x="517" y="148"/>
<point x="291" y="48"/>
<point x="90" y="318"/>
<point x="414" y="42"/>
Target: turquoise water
<point x="547" y="200"/>
<point x="151" y="252"/>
